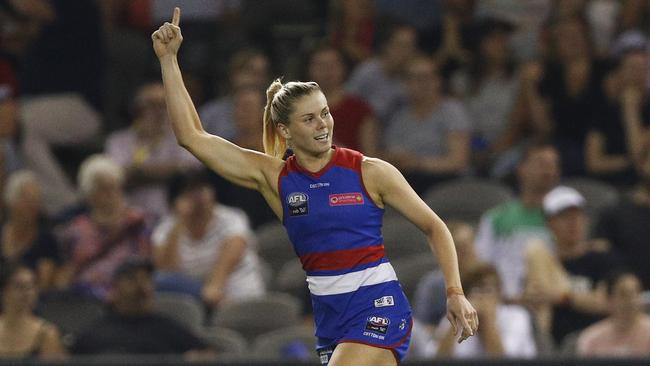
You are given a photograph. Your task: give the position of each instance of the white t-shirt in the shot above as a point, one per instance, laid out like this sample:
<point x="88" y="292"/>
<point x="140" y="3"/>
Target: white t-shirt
<point x="198" y="257"/>
<point x="515" y="326"/>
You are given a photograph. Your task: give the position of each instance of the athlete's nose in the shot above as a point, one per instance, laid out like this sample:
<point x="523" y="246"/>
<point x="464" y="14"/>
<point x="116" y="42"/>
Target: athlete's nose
<point x="321" y="123"/>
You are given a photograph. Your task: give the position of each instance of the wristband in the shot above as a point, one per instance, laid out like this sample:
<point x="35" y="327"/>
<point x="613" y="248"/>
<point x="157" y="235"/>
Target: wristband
<point x="455" y="291"/>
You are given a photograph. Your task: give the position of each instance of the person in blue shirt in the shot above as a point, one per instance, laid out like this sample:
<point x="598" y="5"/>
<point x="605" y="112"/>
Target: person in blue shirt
<point x="331" y="201"/>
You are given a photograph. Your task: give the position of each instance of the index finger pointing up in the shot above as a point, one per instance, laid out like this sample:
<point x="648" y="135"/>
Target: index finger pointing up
<point x="177" y="16"/>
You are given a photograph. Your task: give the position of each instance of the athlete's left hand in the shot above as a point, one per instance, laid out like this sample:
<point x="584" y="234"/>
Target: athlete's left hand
<point x="462" y="316"/>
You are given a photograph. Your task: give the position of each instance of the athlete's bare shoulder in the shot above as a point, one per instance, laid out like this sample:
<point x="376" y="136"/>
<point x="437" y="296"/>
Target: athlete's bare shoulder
<point x="378" y="175"/>
<point x="375" y="167"/>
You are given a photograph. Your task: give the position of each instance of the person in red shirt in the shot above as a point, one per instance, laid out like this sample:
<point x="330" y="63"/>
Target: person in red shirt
<point x="356" y="125"/>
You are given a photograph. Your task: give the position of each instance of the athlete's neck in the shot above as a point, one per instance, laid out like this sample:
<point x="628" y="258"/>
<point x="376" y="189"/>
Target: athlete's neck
<point x="314" y="163"/>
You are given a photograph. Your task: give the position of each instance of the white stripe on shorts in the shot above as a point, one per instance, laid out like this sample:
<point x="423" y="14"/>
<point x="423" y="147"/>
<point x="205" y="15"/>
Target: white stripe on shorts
<point x="349" y="282"/>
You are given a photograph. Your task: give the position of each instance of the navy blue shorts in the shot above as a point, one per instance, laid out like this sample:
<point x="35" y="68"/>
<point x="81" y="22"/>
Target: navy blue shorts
<point x="380" y="329"/>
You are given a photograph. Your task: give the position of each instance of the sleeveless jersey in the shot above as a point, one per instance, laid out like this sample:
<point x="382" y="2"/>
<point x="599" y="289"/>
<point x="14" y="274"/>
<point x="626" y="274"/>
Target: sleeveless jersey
<point x="335" y="228"/>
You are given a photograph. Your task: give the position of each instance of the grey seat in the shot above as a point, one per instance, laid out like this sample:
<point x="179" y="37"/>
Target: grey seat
<point x="466" y="199"/>
<point x="226" y="342"/>
<point x="411" y="269"/>
<point x="182" y="308"/>
<point x="278" y="344"/>
<point x="72" y="314"/>
<point x="274" y="245"/>
<point x="253" y="317"/>
<point x="402" y="238"/>
<point x="291" y="279"/>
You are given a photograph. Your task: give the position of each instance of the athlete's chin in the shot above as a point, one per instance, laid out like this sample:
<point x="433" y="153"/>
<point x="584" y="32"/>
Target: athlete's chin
<point x="323" y="147"/>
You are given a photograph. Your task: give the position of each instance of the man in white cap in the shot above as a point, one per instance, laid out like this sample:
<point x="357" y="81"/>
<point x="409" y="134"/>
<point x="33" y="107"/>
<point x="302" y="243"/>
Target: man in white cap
<point x="569" y="281"/>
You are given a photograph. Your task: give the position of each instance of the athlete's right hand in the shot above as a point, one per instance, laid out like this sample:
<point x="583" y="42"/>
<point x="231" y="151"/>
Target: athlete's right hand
<point x="167" y="39"/>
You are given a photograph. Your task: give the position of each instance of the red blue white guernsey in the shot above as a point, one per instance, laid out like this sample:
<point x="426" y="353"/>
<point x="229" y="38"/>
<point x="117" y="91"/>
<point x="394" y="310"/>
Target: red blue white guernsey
<point x="335" y="228"/>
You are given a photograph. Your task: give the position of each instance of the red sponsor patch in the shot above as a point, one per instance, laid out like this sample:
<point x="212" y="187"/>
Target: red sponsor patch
<point x="341" y="199"/>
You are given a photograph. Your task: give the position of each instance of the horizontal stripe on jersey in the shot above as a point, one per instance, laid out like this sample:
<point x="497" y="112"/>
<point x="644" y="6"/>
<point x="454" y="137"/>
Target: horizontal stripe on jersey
<point x="349" y="282"/>
<point x="341" y="259"/>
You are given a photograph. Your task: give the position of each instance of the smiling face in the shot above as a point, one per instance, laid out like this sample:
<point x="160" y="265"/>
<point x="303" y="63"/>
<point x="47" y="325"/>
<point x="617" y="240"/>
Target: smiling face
<point x="310" y="126"/>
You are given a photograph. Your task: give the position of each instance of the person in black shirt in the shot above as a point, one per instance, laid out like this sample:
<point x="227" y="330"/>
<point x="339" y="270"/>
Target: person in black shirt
<point x="614" y="141"/>
<point x="626" y="226"/>
<point x="131" y="326"/>
<point x="25" y="234"/>
<point x="566" y="288"/>
<point x="569" y="90"/>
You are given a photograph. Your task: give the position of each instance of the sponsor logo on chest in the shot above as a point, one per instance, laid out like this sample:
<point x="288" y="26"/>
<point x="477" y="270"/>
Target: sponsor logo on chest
<point x="345" y="199"/>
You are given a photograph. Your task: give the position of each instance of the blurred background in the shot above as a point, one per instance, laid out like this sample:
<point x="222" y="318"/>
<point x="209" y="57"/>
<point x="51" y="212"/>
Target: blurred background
<point x="525" y="124"/>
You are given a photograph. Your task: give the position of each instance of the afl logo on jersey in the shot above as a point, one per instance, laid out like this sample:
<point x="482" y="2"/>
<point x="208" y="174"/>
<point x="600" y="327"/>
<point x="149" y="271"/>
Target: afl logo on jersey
<point x="298" y="203"/>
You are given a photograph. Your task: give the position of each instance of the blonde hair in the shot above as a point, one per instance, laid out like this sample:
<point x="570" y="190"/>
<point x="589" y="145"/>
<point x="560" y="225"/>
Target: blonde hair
<point x="279" y="106"/>
<point x="94" y="166"/>
<point x="16" y="182"/>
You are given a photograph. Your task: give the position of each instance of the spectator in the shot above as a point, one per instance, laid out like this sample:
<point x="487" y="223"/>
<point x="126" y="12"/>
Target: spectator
<point x="506" y="331"/>
<point x="430" y="303"/>
<point x="24" y="335"/>
<point x="614" y="143"/>
<point x="62" y="93"/>
<point x="626" y="227"/>
<point x="422" y="14"/>
<point x="26" y="235"/>
<point x="506" y="231"/>
<point x="248" y="110"/>
<point x="148" y="152"/>
<point x="10" y="159"/>
<point x="491" y="91"/>
<point x="131" y="326"/>
<point x="205" y="249"/>
<point x="625" y="332"/>
<point x="570" y="89"/>
<point x="528" y="17"/>
<point x="247" y="68"/>
<point x="569" y="282"/>
<point x="352" y="28"/>
<point x="451" y="40"/>
<point x="97" y="241"/>
<point x="378" y="80"/>
<point x="429" y="139"/>
<point x="430" y="306"/>
<point x="231" y="117"/>
<point x="356" y="126"/>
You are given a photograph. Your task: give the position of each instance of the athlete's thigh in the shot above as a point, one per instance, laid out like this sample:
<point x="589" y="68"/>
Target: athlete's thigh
<point x="356" y="354"/>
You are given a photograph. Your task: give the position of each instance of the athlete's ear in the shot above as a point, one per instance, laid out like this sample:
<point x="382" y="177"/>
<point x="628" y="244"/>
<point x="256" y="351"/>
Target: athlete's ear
<point x="283" y="130"/>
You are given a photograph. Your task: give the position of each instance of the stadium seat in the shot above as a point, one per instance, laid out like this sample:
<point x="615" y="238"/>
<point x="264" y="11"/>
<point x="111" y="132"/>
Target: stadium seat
<point x="226" y="342"/>
<point x="182" y="308"/>
<point x="411" y="269"/>
<point x="274" y="245"/>
<point x="72" y="313"/>
<point x="402" y="238"/>
<point x="291" y="343"/>
<point x="253" y="317"/>
<point x="466" y="199"/>
<point x="291" y="279"/>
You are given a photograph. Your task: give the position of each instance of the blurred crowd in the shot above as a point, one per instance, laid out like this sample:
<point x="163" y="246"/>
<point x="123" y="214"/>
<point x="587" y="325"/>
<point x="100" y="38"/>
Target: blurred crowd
<point x="100" y="202"/>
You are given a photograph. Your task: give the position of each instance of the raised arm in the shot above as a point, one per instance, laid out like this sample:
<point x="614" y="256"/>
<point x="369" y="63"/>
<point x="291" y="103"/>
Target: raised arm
<point x="386" y="185"/>
<point x="244" y="167"/>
